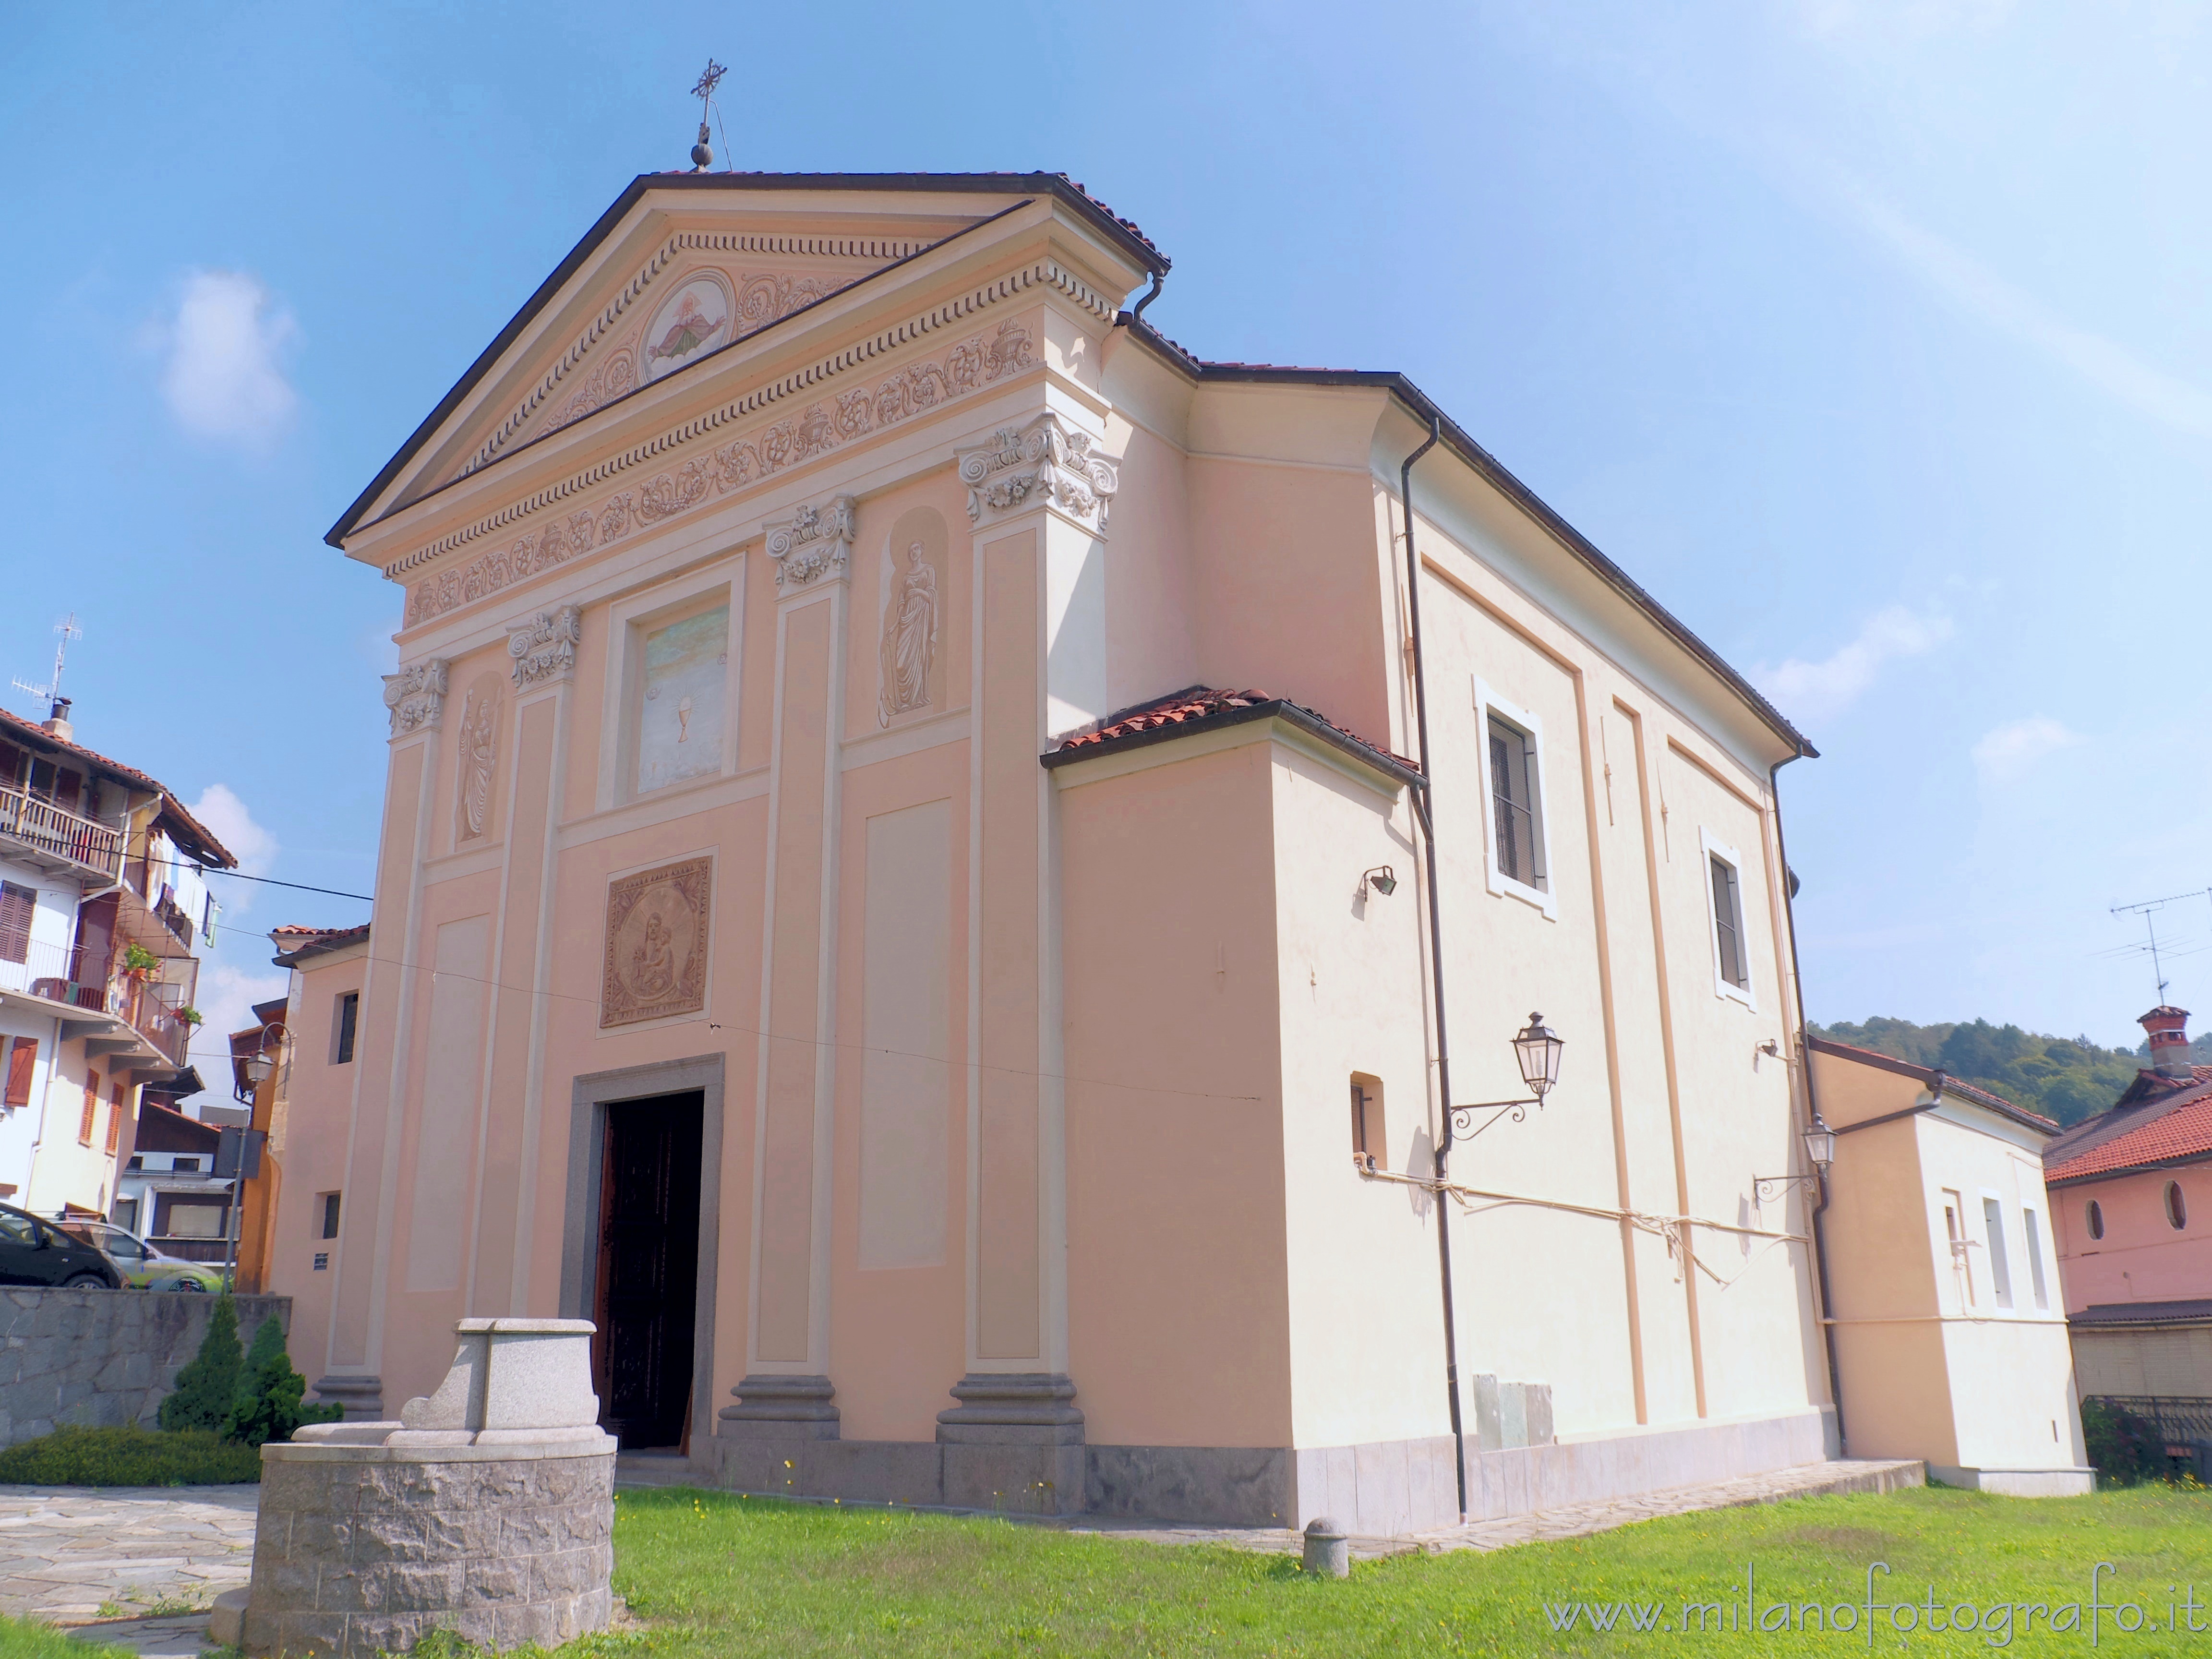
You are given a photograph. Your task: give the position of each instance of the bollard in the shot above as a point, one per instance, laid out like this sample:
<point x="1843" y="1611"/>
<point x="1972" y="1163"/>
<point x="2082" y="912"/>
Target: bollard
<point x="1327" y="1550"/>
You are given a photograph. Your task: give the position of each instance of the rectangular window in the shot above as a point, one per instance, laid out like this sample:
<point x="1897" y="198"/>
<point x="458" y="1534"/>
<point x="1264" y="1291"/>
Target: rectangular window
<point x="126" y="1214"/>
<point x="328" y="1222"/>
<point x="1727" y="922"/>
<point x="22" y="1061"/>
<point x="115" y="1094"/>
<point x="1513" y="803"/>
<point x="17" y="905"/>
<point x="1954" y="1225"/>
<point x="184" y="1165"/>
<point x="1369" y="1149"/>
<point x="348" y="1017"/>
<point x="189" y="1218"/>
<point x="2000" y="1268"/>
<point x="91" y="1109"/>
<point x="2034" y="1237"/>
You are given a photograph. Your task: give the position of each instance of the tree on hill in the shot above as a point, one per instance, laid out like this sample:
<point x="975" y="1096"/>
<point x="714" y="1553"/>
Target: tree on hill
<point x="2067" y="1078"/>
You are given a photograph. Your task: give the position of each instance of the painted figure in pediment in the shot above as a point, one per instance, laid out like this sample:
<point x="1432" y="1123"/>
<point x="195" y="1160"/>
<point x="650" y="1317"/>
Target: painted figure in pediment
<point x="688" y="330"/>
<point x="909" y="638"/>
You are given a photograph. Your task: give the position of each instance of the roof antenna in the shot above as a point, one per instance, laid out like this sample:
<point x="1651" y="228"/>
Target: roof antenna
<point x="2147" y="909"/>
<point x="51" y="692"/>
<point x="702" y="153"/>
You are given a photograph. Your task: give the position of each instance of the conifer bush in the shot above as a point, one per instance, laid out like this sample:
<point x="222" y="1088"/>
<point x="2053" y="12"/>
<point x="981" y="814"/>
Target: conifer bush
<point x="269" y="1392"/>
<point x="207" y="1387"/>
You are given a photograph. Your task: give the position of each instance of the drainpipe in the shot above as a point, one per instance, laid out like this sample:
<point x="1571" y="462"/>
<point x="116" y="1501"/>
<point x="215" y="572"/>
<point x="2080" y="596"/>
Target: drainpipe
<point x="1159" y="281"/>
<point x="1812" y="1103"/>
<point x="1422" y="811"/>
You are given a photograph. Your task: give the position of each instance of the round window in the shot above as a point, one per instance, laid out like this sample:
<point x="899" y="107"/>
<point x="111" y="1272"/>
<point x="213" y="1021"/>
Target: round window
<point x="2096" y="1219"/>
<point x="2177" y="1212"/>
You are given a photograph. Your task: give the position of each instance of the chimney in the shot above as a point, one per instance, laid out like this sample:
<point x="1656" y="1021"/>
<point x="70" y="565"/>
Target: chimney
<point x="57" y="722"/>
<point x="2169" y="1042"/>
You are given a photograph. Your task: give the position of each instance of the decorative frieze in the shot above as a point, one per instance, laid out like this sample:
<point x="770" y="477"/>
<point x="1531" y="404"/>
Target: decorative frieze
<point x="544" y="647"/>
<point x="812" y="543"/>
<point x="416" y="697"/>
<point x="1044" y="463"/>
<point x="980" y="361"/>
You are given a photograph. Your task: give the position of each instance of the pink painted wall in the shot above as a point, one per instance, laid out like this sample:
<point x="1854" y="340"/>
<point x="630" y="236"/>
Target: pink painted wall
<point x="2143" y="1256"/>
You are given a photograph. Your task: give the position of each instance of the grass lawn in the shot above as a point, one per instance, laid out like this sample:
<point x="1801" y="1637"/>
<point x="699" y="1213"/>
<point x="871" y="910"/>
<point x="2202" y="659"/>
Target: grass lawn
<point x="717" y="1575"/>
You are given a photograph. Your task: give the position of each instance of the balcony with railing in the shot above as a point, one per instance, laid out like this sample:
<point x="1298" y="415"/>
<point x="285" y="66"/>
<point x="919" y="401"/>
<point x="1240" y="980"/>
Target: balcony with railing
<point x="37" y="830"/>
<point x="122" y="1007"/>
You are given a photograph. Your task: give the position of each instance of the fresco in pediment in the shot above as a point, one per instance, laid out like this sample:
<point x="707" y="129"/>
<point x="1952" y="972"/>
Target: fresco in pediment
<point x="691" y="322"/>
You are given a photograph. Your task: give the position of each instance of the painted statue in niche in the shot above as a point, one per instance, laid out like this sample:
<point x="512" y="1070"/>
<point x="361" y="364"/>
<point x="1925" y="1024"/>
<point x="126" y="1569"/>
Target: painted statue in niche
<point x="686" y="677"/>
<point x="691" y="322"/>
<point x="479" y="761"/>
<point x="913" y="607"/>
<point x="657" y="938"/>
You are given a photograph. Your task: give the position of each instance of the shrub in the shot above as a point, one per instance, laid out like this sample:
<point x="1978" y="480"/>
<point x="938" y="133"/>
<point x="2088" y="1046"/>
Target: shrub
<point x="2123" y="1447"/>
<point x="270" y="1391"/>
<point x="129" y="1456"/>
<point x="207" y="1387"/>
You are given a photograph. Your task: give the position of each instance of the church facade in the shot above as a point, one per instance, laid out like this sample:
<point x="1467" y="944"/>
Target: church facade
<point x="904" y="896"/>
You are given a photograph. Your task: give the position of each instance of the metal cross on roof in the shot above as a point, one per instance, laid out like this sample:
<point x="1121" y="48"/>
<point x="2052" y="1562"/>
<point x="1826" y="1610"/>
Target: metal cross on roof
<point x="708" y="83"/>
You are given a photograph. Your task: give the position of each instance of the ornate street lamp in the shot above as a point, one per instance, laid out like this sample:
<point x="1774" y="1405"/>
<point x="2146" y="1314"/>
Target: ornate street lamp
<point x="1536" y="1049"/>
<point x="1819" y="1151"/>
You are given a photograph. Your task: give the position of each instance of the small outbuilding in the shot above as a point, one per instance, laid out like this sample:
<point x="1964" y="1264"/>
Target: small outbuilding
<point x="1947" y="1321"/>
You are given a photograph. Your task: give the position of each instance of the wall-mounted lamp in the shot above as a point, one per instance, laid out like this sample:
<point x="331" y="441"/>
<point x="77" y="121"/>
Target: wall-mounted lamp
<point x="1381" y="879"/>
<point x="1819" y="1151"/>
<point x="1536" y="1050"/>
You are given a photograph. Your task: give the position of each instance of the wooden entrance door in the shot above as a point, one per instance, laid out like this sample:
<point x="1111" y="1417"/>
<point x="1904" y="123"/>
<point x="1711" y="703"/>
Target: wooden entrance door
<point x="648" y="1275"/>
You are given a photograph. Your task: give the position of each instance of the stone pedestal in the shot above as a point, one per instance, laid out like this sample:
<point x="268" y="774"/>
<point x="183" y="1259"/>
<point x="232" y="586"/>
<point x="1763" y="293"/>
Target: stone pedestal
<point x="1013" y="1444"/>
<point x="487" y="1510"/>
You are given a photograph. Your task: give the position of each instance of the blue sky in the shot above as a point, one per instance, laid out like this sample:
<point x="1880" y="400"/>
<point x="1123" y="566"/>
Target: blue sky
<point x="1872" y="338"/>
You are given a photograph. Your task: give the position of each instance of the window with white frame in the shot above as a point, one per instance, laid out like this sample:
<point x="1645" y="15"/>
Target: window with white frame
<point x="2000" y="1261"/>
<point x="2034" y="1237"/>
<point x="1517" y="859"/>
<point x="1724" y="910"/>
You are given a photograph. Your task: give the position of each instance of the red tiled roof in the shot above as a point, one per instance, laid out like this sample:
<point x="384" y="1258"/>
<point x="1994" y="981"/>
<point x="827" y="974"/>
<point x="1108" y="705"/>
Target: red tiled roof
<point x="15" y="727"/>
<point x="2179" y="1136"/>
<point x="294" y="944"/>
<point x="2148" y="1099"/>
<point x="1200" y="702"/>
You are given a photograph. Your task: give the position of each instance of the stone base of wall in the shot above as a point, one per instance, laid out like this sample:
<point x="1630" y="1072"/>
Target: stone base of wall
<point x="103" y="1359"/>
<point x="2019" y="1483"/>
<point x="1377" y="1489"/>
<point x="365" y="1549"/>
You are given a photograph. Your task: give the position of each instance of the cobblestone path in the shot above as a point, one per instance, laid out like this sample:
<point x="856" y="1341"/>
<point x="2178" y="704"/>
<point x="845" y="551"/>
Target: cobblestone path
<point x="77" y="1557"/>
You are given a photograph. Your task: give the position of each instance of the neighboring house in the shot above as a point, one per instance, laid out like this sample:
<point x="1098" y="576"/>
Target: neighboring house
<point x="835" y="932"/>
<point x="1949" y="1327"/>
<point x="259" y="1056"/>
<point x="312" y="1093"/>
<point x="2134" y="1191"/>
<point x="101" y="907"/>
<point x="168" y="1192"/>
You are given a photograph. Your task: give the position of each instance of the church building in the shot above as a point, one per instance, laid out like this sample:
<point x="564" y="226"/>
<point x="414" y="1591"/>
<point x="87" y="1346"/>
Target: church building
<point x="936" y="871"/>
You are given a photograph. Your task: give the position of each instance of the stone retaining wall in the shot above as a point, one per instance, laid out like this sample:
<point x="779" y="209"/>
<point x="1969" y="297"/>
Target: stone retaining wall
<point x="103" y="1359"/>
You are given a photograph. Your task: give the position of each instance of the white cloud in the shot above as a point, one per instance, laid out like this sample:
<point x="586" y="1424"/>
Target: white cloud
<point x="2105" y="364"/>
<point x="227" y="996"/>
<point x="232" y="824"/>
<point x="224" y="378"/>
<point x="1833" y="683"/>
<point x="2011" y="749"/>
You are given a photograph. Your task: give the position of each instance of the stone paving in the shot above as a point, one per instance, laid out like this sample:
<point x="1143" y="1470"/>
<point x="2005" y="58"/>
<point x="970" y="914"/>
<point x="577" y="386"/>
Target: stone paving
<point x="1569" y="1521"/>
<point x="79" y="1558"/>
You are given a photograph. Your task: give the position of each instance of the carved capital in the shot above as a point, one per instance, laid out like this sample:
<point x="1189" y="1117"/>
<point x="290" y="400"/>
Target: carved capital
<point x="1043" y="464"/>
<point x="811" y="545"/>
<point x="416" y="697"/>
<point x="544" y="647"/>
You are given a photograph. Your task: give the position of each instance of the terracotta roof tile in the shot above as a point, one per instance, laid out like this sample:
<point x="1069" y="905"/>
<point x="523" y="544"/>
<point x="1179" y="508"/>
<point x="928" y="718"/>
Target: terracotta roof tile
<point x="1198" y="702"/>
<point x="15" y="727"/>
<point x="2178" y="1136"/>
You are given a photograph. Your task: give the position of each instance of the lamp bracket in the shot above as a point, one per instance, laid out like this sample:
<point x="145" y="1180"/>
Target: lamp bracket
<point x="1765" y="1189"/>
<point x="1462" y="1117"/>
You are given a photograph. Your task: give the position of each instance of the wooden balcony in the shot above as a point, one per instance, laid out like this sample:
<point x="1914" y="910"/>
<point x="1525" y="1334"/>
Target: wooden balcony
<point x="53" y="837"/>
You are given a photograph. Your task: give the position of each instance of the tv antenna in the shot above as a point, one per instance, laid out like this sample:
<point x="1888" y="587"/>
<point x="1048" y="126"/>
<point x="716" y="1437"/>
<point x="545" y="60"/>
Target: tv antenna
<point x="702" y="153"/>
<point x="66" y="629"/>
<point x="2148" y="910"/>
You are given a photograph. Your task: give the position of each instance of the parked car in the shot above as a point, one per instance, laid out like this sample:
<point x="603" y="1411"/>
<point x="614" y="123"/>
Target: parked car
<point x="35" y="1252"/>
<point x="143" y="1267"/>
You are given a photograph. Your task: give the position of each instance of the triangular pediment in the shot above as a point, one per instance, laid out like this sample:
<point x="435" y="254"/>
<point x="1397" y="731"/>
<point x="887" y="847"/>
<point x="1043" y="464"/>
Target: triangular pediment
<point x="682" y="267"/>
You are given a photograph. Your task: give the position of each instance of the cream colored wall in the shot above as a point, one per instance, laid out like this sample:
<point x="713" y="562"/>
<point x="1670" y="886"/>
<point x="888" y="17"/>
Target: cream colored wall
<point x="67" y="1170"/>
<point x="2143" y="1256"/>
<point x="310" y="1148"/>
<point x="1933" y="1367"/>
<point x="1176" y="1204"/>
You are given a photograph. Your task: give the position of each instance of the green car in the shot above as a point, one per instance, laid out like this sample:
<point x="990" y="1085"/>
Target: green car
<point x="143" y="1267"/>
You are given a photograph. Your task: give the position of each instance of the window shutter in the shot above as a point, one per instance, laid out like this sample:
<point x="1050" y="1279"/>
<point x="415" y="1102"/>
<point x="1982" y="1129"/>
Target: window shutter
<point x="91" y="1107"/>
<point x="115" y="1094"/>
<point x="17" y="906"/>
<point x="23" y="1060"/>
